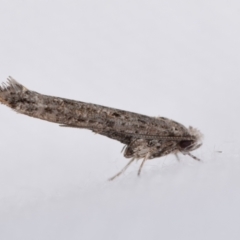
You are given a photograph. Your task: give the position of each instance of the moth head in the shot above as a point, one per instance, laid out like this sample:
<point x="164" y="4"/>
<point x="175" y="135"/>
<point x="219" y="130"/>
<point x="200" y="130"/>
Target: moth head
<point x="193" y="143"/>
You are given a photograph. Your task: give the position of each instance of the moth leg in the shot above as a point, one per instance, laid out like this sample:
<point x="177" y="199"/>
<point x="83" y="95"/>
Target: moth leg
<point x="140" y="168"/>
<point x="123" y="170"/>
<point x="144" y="160"/>
<point x="123" y="148"/>
<point x="177" y="157"/>
<point x="189" y="154"/>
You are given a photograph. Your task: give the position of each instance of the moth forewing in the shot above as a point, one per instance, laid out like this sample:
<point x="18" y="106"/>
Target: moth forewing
<point x="144" y="137"/>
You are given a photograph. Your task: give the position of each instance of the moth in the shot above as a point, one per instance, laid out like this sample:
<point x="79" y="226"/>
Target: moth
<point x="144" y="137"/>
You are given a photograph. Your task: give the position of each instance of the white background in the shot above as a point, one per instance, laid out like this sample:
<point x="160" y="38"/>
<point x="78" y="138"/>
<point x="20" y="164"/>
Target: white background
<point x="177" y="59"/>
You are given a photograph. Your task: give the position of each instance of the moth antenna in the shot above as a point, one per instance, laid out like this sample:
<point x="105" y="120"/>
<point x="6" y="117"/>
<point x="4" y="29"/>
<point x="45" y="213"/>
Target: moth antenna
<point x="123" y="170"/>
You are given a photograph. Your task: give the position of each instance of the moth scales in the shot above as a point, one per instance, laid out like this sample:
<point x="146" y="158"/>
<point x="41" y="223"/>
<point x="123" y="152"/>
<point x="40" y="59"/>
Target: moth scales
<point x="144" y="137"/>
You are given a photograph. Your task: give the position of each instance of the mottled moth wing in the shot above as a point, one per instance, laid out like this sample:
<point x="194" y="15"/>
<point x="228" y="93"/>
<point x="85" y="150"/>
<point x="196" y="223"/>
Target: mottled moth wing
<point x="145" y="137"/>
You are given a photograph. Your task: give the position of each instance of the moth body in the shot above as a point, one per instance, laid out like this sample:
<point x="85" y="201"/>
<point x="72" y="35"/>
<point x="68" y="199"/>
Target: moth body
<point x="145" y="137"/>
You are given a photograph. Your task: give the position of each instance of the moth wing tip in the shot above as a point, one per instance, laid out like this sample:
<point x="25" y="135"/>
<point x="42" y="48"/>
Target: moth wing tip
<point x="14" y="83"/>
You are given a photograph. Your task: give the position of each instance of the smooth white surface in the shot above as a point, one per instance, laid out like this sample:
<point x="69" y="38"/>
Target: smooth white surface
<point x="178" y="59"/>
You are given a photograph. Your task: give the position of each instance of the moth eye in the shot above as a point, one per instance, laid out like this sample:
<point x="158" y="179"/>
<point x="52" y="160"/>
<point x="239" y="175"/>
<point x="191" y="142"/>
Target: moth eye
<point x="185" y="143"/>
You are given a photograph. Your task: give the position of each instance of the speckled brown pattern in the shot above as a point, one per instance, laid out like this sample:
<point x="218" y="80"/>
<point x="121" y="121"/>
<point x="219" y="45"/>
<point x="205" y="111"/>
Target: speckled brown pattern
<point x="145" y="137"/>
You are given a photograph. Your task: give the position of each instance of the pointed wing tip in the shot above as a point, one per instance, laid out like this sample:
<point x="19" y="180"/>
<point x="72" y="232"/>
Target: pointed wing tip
<point x="12" y="84"/>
